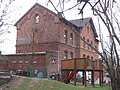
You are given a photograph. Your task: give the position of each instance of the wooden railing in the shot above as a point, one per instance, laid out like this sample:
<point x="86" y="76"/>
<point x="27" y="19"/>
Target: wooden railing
<point x="80" y="64"/>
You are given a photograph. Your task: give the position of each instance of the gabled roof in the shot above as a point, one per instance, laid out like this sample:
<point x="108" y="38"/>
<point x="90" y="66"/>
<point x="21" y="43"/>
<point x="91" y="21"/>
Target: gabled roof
<point x="61" y="18"/>
<point x="82" y="22"/>
<point x="36" y="4"/>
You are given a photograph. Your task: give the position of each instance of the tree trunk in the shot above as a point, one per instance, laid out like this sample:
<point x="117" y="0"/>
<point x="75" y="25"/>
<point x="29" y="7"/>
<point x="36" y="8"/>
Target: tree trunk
<point x="115" y="80"/>
<point x="115" y="85"/>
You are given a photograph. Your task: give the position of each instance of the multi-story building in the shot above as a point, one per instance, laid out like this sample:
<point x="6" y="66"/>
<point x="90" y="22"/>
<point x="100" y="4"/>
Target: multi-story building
<point x="47" y="38"/>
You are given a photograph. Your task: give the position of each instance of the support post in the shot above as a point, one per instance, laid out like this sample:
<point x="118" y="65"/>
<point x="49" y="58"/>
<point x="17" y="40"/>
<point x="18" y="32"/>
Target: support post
<point x="100" y="76"/>
<point x="75" y="71"/>
<point x="83" y="74"/>
<point x="85" y="67"/>
<point x="93" y="74"/>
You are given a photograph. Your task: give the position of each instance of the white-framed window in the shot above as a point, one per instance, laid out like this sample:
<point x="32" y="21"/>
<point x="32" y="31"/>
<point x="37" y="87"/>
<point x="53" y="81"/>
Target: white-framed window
<point x="37" y="18"/>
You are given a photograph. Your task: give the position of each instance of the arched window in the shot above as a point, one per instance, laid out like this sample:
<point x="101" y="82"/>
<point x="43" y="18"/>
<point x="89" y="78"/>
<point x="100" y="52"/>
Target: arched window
<point x="37" y="18"/>
<point x="65" y="36"/>
<point x="88" y="57"/>
<point x="88" y="42"/>
<point x="71" y="39"/>
<point x="84" y="42"/>
<point x="65" y="54"/>
<point x="71" y="55"/>
<point x="91" y="57"/>
<point x="91" y="45"/>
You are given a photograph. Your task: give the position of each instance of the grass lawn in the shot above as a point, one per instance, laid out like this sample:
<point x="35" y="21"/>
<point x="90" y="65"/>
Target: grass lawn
<point x="40" y="84"/>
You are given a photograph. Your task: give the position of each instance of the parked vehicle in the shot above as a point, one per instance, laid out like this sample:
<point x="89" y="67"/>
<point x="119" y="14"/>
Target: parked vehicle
<point x="54" y="75"/>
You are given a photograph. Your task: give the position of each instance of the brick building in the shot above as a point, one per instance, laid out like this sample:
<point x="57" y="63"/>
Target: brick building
<point x="44" y="36"/>
<point x="3" y="62"/>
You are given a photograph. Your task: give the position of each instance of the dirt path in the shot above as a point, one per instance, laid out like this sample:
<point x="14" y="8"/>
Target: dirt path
<point x="16" y="81"/>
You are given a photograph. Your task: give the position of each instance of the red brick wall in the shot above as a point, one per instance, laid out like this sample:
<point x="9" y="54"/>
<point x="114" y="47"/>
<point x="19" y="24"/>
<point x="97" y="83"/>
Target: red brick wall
<point x="87" y="32"/>
<point x="48" y="35"/>
<point x="24" y="66"/>
<point x="3" y="65"/>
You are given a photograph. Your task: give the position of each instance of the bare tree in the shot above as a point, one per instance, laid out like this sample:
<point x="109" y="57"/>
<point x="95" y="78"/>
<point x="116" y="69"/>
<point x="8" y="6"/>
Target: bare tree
<point x="107" y="11"/>
<point x="4" y="17"/>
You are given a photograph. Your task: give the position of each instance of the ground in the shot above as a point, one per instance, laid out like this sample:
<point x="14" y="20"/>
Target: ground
<point x="16" y="80"/>
<point x="26" y="83"/>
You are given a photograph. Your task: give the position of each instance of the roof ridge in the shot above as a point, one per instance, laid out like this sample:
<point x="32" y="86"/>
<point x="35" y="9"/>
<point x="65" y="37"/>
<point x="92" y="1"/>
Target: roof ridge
<point x="82" y="18"/>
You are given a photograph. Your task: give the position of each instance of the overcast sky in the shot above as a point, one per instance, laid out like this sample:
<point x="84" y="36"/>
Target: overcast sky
<point x="20" y="7"/>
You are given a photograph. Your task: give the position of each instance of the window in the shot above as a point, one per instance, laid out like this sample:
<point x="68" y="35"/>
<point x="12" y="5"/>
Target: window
<point x="95" y="63"/>
<point x="53" y="61"/>
<point x="95" y="46"/>
<point x="88" y="29"/>
<point x="34" y="61"/>
<point x="84" y="56"/>
<point x="20" y="61"/>
<point x="14" y="61"/>
<point x="88" y="61"/>
<point x="37" y="18"/>
<point x="26" y="61"/>
<point x="84" y="42"/>
<point x="92" y="58"/>
<point x="88" y="57"/>
<point x="65" y="36"/>
<point x="65" y="54"/>
<point x="71" y="55"/>
<point x="91" y="45"/>
<point x="88" y="42"/>
<point x="71" y="39"/>
<point x="19" y="51"/>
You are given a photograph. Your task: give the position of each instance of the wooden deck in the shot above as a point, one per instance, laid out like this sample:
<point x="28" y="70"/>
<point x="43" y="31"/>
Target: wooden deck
<point x="84" y="65"/>
<point x="81" y="64"/>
